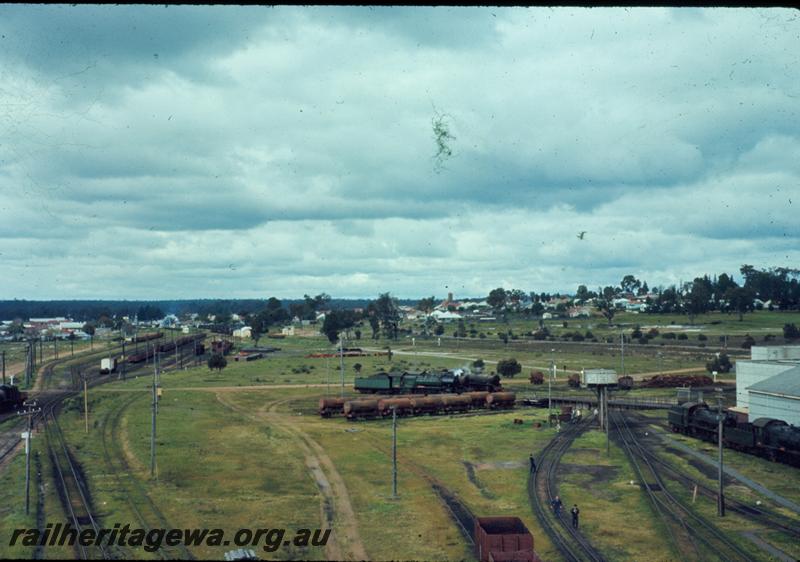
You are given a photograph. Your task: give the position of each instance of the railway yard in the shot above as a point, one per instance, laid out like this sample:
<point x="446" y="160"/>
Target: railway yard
<point x="246" y="447"/>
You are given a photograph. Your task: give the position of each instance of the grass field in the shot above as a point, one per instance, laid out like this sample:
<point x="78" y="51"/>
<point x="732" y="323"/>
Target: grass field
<point x="245" y="448"/>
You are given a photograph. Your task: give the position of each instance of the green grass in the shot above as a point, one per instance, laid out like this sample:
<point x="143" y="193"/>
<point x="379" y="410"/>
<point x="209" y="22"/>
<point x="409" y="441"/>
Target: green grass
<point x="599" y="483"/>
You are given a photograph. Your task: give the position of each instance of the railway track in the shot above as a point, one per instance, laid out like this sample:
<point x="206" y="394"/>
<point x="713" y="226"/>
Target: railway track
<point x="139" y="501"/>
<point x="696" y="528"/>
<point x="73" y="490"/>
<point x="572" y="544"/>
<point x="767" y="516"/>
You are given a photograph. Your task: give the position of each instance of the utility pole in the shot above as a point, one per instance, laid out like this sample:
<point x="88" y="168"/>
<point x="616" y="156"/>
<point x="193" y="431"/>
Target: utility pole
<point x="622" y="347"/>
<point x="394" y="453"/>
<point x="720" y="495"/>
<point x="85" y="401"/>
<point x="549" y="390"/>
<point x="31" y="409"/>
<point x="153" y="425"/>
<point x="328" y="371"/>
<point x="122" y="359"/>
<point x="341" y="362"/>
<point x="28" y="366"/>
<point x="4" y="367"/>
<point x="608" y="419"/>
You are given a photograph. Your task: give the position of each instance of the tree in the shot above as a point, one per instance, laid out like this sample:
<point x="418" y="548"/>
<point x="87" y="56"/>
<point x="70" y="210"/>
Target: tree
<point x="426" y="305"/>
<point x="629" y="284"/>
<point x="583" y="294"/>
<point x="721" y="364"/>
<point x="357" y="368"/>
<point x="508" y="367"/>
<point x="740" y="299"/>
<point x="605" y="303"/>
<point x="438" y="330"/>
<point x="259" y="325"/>
<point x="697" y="301"/>
<point x="372" y="318"/>
<point x="537" y="377"/>
<point x="497" y="298"/>
<point x="478" y="365"/>
<point x="89" y="329"/>
<point x="388" y="313"/>
<point x="218" y="362"/>
<point x="337" y="321"/>
<point x="791" y="332"/>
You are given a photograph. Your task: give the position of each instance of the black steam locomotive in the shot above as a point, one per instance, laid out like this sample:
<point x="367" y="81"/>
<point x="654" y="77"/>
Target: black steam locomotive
<point x="449" y="381"/>
<point x="767" y="437"/>
<point x="11" y="398"/>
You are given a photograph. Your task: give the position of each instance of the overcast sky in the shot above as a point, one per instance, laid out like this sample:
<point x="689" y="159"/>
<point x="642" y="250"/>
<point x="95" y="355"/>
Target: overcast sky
<point x="182" y="152"/>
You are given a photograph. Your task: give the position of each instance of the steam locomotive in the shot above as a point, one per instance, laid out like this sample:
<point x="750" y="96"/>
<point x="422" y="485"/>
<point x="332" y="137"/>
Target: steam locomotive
<point x="449" y="381"/>
<point x="11" y="398"/>
<point x="767" y="437"/>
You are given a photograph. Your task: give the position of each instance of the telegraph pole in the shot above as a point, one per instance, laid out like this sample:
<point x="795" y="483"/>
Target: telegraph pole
<point x="28" y="366"/>
<point x="122" y="359"/>
<point x="720" y="496"/>
<point x="85" y="401"/>
<point x="341" y="362"/>
<point x="153" y="425"/>
<point x="31" y="409"/>
<point x="394" y="453"/>
<point x="622" y="347"/>
<point x="4" y="367"/>
<point x="549" y="390"/>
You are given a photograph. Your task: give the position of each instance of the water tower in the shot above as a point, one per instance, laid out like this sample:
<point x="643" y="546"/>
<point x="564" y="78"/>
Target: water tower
<point x="600" y="380"/>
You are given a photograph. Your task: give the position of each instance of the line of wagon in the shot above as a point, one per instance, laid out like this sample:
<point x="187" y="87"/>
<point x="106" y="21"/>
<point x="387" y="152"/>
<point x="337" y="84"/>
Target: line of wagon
<point x="415" y="405"/>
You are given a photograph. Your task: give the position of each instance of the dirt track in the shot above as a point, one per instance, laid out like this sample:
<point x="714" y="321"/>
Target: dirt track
<point x="336" y="508"/>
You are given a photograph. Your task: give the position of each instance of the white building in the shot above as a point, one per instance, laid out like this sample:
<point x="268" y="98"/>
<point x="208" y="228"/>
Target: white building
<point x="777" y="397"/>
<point x="765" y="362"/>
<point x="287" y="331"/>
<point x="243" y="332"/>
<point x="445" y="316"/>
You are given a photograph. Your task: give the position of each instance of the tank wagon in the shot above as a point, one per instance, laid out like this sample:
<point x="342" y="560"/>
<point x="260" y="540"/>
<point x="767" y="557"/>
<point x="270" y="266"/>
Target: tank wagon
<point x="361" y="409"/>
<point x="330" y="406"/>
<point x="11" y="398"/>
<point x="448" y="381"/>
<point x="766" y="437"/>
<point x="501" y="400"/>
<point x="413" y="405"/>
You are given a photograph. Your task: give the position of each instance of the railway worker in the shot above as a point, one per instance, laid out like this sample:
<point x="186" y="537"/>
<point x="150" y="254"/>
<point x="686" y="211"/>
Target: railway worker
<point x="556" y="503"/>
<point x="575" y="511"/>
<point x="533" y="464"/>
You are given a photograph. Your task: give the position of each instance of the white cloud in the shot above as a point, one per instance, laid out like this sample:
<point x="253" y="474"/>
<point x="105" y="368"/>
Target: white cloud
<point x="290" y="151"/>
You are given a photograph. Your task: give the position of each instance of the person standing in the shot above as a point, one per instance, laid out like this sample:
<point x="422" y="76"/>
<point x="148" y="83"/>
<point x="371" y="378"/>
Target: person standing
<point x="533" y="464"/>
<point x="556" y="503"/>
<point x="575" y="512"/>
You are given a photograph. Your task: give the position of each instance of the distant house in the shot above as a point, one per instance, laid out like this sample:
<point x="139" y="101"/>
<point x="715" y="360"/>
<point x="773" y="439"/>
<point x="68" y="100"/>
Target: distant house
<point x="579" y="312"/>
<point x="287" y="331"/>
<point x="445" y="316"/>
<point x="243" y="332"/>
